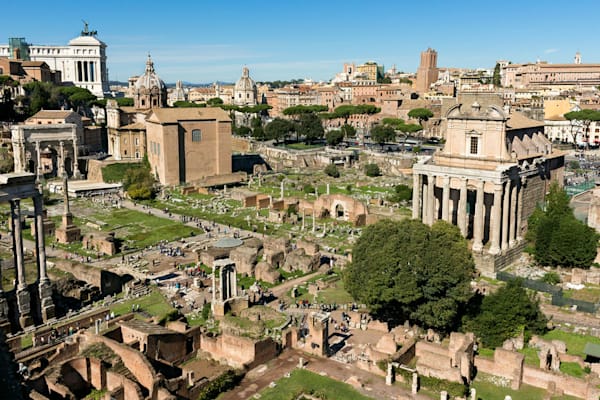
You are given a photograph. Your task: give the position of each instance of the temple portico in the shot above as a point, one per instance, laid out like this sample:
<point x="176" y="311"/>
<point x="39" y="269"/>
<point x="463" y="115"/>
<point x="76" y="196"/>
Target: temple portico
<point x="487" y="180"/>
<point x="483" y="206"/>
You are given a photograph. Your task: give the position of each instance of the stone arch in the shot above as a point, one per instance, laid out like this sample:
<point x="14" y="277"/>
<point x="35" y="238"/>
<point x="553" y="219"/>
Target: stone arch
<point x="339" y="211"/>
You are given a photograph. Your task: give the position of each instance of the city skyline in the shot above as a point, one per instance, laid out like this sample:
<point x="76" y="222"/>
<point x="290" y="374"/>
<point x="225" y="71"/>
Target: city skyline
<point x="206" y="42"/>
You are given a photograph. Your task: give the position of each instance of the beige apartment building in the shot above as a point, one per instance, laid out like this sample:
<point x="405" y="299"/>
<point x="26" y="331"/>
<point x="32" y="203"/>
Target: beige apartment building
<point x="187" y="145"/>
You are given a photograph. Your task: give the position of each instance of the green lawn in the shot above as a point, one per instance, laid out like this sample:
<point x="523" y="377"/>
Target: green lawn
<point x="116" y="172"/>
<point x="303" y="381"/>
<point x="154" y="304"/>
<point x="488" y="391"/>
<point x="303" y="146"/>
<point x="573" y="369"/>
<point x="575" y="342"/>
<point x="531" y="356"/>
<point x="335" y="294"/>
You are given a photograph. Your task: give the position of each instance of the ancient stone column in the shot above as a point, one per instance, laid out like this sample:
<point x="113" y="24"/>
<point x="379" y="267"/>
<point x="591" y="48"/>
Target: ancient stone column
<point x="416" y="201"/>
<point x="44" y="288"/>
<point x="496" y="220"/>
<point x="520" y="207"/>
<point x="75" y="154"/>
<point x="479" y="218"/>
<point x="281" y="191"/>
<point x="424" y="200"/>
<point x="505" y="214"/>
<point x="513" y="214"/>
<point x="446" y="199"/>
<point x="61" y="165"/>
<point x="462" y="208"/>
<point x="431" y="217"/>
<point x="15" y="207"/>
<point x="38" y="160"/>
<point x="23" y="298"/>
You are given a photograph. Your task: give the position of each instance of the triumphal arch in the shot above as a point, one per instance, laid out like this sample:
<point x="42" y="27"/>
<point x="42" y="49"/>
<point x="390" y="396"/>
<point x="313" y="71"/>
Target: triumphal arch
<point x="50" y="149"/>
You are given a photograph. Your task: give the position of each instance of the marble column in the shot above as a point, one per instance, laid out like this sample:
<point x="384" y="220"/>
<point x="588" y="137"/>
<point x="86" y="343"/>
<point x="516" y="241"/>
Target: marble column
<point x="425" y="200"/>
<point x="520" y="207"/>
<point x="505" y="215"/>
<point x="431" y="217"/>
<point x="38" y="160"/>
<point x="61" y="165"/>
<point x="479" y="218"/>
<point x="513" y="214"/>
<point x="44" y="288"/>
<point x="446" y="199"/>
<point x="496" y="220"/>
<point x="23" y="297"/>
<point x="461" y="216"/>
<point x="75" y="154"/>
<point x="416" y="201"/>
<point x="15" y="207"/>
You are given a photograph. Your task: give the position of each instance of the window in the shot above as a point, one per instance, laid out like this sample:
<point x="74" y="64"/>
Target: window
<point x="474" y="145"/>
<point x="196" y="135"/>
<point x="137" y="141"/>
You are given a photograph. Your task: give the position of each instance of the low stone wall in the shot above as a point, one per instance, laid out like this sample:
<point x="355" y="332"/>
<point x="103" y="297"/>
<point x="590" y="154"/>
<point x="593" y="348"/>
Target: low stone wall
<point x="559" y="383"/>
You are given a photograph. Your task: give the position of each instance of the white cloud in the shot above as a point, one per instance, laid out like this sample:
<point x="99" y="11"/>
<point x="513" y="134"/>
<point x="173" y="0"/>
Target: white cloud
<point x="550" y="51"/>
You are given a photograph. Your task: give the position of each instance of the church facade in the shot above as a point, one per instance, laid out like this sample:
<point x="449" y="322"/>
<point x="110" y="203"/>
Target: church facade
<point x="493" y="171"/>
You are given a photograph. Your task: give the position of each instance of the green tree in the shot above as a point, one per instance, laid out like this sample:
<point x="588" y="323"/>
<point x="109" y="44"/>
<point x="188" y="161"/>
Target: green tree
<point x="279" y="129"/>
<point x="402" y="193"/>
<point x="332" y="171"/>
<point x="186" y="104"/>
<point x="215" y="101"/>
<point x="496" y="78"/>
<point x="506" y="313"/>
<point x="585" y="117"/>
<point x="334" y="137"/>
<point x="408" y="270"/>
<point x="420" y="114"/>
<point x="382" y="133"/>
<point x="310" y="127"/>
<point x="302" y="109"/>
<point x="348" y="131"/>
<point x="558" y="238"/>
<point x="372" y="170"/>
<point x="139" y="182"/>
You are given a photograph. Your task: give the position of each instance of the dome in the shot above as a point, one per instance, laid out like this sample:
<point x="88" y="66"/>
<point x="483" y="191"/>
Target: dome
<point x="150" y="79"/>
<point x="245" y="83"/>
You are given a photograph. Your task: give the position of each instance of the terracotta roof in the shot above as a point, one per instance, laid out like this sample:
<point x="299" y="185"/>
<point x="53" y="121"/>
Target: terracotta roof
<point x="52" y="114"/>
<point x="517" y="120"/>
<point x="173" y="115"/>
<point x="33" y="63"/>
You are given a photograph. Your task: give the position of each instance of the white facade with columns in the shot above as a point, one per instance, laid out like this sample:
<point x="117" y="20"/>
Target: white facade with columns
<point x="479" y="180"/>
<point x="82" y="61"/>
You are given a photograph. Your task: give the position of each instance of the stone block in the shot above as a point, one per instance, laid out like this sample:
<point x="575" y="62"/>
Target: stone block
<point x="264" y="272"/>
<point x="386" y="344"/>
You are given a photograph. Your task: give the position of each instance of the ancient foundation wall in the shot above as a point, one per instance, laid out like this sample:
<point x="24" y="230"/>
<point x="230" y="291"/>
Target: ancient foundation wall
<point x="559" y="383"/>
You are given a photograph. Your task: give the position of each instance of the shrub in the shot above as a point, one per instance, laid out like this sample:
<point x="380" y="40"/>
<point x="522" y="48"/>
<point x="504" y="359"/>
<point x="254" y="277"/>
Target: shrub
<point x="308" y="189"/>
<point x="332" y="171"/>
<point x="372" y="170"/>
<point x="551" y="278"/>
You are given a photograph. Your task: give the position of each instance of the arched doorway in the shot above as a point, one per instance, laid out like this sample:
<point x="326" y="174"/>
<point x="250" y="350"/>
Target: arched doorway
<point x="339" y="211"/>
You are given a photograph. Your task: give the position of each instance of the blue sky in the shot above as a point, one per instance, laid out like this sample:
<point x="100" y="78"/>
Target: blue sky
<point x="204" y="41"/>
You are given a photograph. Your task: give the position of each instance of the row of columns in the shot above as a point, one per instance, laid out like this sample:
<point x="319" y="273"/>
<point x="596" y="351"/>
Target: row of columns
<point x="61" y="164"/>
<point x="86" y="71"/>
<point x="505" y="215"/>
<point x="45" y="291"/>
